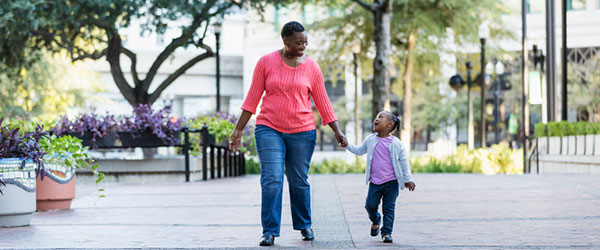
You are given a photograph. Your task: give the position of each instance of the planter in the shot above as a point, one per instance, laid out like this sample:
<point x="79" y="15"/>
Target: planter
<point x="571" y="144"/>
<point x="580" y="143"/>
<point x="542" y="145"/>
<point x="564" y="145"/>
<point x="107" y="140"/>
<point x="589" y="145"/>
<point x="57" y="190"/>
<point x="596" y="144"/>
<point x="554" y="144"/>
<point x="146" y="139"/>
<point x="17" y="202"/>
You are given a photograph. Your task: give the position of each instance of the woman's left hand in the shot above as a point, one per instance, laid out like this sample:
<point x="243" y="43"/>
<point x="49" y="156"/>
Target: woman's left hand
<point x="341" y="139"/>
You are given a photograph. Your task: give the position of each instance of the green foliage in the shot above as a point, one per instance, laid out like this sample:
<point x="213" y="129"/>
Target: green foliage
<point x="95" y="29"/>
<point x="338" y="166"/>
<point x="44" y="88"/>
<point x="568" y="128"/>
<point x="584" y="88"/>
<point x="70" y="151"/>
<point x="499" y="159"/>
<point x="557" y="128"/>
<point x="252" y="166"/>
<point x="540" y="130"/>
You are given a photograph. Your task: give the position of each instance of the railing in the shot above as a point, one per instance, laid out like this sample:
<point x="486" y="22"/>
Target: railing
<point x="229" y="163"/>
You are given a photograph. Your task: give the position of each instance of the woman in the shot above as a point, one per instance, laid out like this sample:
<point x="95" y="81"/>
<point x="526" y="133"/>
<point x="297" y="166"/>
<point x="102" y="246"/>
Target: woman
<point x="285" y="130"/>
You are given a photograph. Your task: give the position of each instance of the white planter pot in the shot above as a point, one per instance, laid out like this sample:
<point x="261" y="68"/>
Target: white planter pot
<point x="554" y="144"/>
<point x="580" y="145"/>
<point x="571" y="145"/>
<point x="589" y="145"/>
<point x="596" y="144"/>
<point x="17" y="202"/>
<point x="542" y="145"/>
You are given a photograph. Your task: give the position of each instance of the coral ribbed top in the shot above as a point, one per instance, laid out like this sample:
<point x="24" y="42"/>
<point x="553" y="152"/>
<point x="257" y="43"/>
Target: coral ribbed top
<point x="286" y="105"/>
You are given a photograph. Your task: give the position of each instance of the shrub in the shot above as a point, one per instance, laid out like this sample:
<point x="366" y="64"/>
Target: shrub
<point x="540" y="130"/>
<point x="564" y="128"/>
<point x="252" y="165"/>
<point x="338" y="166"/>
<point x="500" y="158"/>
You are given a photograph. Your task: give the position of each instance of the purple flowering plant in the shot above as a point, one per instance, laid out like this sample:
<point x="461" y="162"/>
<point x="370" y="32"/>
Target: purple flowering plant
<point x="93" y="123"/>
<point x="22" y="145"/>
<point x="160" y="123"/>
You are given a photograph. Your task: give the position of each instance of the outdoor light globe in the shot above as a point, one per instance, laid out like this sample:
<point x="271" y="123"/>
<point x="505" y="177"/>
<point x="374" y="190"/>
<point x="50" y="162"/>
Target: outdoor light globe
<point x="217" y="26"/>
<point x="356" y="48"/>
<point x="484" y="31"/>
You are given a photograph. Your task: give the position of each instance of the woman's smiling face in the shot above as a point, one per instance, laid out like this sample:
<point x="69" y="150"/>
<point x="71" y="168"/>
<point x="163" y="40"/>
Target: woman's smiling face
<point x="296" y="43"/>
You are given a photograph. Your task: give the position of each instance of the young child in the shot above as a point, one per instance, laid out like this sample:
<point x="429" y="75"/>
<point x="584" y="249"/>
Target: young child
<point x="387" y="171"/>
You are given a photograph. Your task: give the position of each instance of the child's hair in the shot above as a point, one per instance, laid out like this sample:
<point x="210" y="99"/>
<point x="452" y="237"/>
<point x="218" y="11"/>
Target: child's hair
<point x="396" y="120"/>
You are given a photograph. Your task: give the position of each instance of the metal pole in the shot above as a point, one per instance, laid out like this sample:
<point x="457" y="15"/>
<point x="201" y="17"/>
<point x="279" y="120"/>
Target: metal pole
<point x="356" y="121"/>
<point x="212" y="161"/>
<point x="563" y="62"/>
<point x="219" y="156"/>
<point x="550" y="58"/>
<point x="217" y="35"/>
<point x="482" y="129"/>
<point x="525" y="86"/>
<point x="186" y="152"/>
<point x="204" y="152"/>
<point x="470" y="129"/>
<point x="496" y="111"/>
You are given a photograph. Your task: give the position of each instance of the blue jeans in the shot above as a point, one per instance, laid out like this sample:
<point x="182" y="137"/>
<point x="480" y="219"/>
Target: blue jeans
<point x="294" y="151"/>
<point x="389" y="192"/>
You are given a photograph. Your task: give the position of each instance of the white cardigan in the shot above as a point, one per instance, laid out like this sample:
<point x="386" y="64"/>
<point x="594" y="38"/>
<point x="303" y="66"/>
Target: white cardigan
<point x="397" y="153"/>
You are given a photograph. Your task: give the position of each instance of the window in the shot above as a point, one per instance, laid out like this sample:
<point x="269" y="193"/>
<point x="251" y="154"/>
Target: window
<point x="536" y="6"/>
<point x="576" y="4"/>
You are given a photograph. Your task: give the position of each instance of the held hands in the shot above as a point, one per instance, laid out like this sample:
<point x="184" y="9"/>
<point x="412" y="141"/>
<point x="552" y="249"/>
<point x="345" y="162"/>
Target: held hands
<point x="341" y="139"/>
<point x="235" y="139"/>
<point x="410" y="185"/>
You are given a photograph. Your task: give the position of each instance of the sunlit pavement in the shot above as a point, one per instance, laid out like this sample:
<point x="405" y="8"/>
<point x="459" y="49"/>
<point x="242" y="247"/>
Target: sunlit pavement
<point x="447" y="211"/>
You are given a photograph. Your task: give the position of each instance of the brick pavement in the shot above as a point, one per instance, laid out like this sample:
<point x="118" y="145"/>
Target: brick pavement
<point x="448" y="211"/>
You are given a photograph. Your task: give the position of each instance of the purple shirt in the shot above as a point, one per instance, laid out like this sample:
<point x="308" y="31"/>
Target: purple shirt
<point x="382" y="169"/>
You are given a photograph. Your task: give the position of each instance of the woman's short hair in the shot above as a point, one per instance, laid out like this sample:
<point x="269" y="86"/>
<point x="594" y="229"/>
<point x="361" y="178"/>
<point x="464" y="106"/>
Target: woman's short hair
<point x="291" y="27"/>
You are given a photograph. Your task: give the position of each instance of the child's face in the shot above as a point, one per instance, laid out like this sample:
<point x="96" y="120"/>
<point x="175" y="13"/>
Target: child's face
<point x="383" y="123"/>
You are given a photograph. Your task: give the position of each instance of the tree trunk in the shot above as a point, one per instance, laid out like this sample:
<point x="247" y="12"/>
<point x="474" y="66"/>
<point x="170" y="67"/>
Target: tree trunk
<point x="406" y="117"/>
<point x="113" y="57"/>
<point x="381" y="76"/>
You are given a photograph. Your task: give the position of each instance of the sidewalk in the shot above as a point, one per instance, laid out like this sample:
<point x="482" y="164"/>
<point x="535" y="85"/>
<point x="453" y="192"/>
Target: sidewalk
<point x="448" y="211"/>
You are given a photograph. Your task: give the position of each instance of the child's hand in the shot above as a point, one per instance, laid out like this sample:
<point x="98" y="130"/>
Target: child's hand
<point x="410" y="185"/>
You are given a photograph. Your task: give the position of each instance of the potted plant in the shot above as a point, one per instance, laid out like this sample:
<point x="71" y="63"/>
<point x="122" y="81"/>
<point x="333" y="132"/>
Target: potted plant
<point x="94" y="130"/>
<point x="20" y="162"/>
<point x="64" y="154"/>
<point x="149" y="128"/>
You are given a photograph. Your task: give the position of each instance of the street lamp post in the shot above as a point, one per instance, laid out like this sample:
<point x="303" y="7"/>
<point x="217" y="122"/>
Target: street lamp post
<point x="217" y="29"/>
<point x="470" y="127"/>
<point x="456" y="83"/>
<point x="355" y="52"/>
<point x="484" y="33"/>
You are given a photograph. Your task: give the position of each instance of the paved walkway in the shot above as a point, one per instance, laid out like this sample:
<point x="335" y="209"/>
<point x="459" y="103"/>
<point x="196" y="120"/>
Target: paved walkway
<point x="448" y="211"/>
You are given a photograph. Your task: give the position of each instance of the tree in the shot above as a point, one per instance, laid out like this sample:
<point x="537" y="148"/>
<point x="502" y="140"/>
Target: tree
<point x="418" y="33"/>
<point x="44" y="88"/>
<point x="584" y="88"/>
<point x="89" y="29"/>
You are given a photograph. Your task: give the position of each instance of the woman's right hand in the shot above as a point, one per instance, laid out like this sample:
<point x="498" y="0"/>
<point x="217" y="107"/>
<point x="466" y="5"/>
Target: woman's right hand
<point x="235" y="140"/>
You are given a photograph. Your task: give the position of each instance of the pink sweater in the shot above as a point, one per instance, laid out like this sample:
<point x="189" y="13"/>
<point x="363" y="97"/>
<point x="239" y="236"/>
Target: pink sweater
<point x="287" y="90"/>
